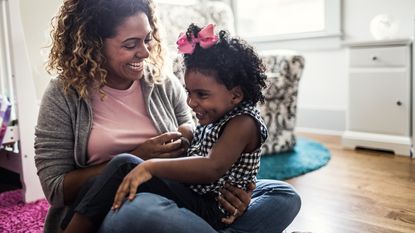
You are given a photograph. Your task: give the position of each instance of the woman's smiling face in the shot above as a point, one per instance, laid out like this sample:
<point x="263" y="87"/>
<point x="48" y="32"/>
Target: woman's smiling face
<point x="126" y="51"/>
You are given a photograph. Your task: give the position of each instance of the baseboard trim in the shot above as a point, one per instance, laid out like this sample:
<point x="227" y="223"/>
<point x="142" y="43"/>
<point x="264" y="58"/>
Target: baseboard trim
<point x="398" y="144"/>
<point x="329" y="121"/>
<point x="318" y="131"/>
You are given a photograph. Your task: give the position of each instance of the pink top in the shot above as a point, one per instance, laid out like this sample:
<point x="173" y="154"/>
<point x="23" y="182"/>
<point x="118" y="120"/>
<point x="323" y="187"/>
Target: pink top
<point x="120" y="123"/>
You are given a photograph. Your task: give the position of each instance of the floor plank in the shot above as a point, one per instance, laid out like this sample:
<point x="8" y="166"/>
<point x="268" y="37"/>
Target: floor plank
<point x="357" y="191"/>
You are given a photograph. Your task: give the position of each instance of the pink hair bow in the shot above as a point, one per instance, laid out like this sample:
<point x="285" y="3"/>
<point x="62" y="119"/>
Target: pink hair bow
<point x="206" y="39"/>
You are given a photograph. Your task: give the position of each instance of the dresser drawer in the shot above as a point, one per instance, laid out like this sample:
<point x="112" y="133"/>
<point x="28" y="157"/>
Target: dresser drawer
<point x="394" y="56"/>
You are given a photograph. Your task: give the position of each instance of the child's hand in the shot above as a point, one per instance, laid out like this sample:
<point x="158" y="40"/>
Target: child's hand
<point x="130" y="184"/>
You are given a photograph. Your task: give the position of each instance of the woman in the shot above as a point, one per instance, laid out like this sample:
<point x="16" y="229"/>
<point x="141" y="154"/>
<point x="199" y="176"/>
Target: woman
<point x="112" y="96"/>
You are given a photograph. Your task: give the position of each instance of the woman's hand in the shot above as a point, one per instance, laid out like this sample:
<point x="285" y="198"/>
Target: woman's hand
<point x="130" y="184"/>
<point x="166" y="145"/>
<point x="235" y="200"/>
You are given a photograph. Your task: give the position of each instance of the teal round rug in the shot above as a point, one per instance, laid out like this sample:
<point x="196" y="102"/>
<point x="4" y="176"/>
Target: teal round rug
<point x="307" y="155"/>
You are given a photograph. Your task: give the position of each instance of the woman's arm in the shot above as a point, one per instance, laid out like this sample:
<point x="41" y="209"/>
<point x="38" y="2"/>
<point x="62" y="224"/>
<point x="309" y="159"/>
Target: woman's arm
<point x="183" y="113"/>
<point x="54" y="142"/>
<point x="74" y="180"/>
<point x="178" y="100"/>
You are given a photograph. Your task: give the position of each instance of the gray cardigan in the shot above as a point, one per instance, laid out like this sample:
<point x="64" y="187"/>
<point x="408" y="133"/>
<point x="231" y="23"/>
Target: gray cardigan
<point x="63" y="128"/>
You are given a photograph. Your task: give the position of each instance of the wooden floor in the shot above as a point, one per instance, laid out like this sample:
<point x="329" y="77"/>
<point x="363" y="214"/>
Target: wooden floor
<point x="357" y="191"/>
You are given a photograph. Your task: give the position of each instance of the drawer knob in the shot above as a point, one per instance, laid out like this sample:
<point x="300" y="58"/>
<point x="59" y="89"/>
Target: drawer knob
<point x="374" y="58"/>
<point x="399" y="103"/>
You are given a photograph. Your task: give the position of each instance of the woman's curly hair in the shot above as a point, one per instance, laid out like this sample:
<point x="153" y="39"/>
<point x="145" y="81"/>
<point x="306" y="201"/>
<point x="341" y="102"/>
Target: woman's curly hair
<point x="231" y="61"/>
<point x="78" y="35"/>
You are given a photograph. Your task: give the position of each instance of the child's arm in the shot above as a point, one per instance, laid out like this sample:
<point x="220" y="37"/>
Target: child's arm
<point x="187" y="131"/>
<point x="187" y="136"/>
<point x="240" y="135"/>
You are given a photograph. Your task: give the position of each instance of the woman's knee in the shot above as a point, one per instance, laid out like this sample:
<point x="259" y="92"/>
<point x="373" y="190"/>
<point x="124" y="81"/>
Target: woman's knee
<point x="153" y="213"/>
<point x="265" y="185"/>
<point x="279" y="190"/>
<point x="146" y="212"/>
<point x="275" y="204"/>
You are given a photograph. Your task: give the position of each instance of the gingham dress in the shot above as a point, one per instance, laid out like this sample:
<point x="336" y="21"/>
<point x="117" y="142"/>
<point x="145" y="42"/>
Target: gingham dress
<point x="245" y="169"/>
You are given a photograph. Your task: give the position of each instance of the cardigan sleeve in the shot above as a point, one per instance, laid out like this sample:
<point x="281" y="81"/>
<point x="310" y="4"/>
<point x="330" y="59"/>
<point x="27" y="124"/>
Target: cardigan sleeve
<point x="182" y="110"/>
<point x="54" y="143"/>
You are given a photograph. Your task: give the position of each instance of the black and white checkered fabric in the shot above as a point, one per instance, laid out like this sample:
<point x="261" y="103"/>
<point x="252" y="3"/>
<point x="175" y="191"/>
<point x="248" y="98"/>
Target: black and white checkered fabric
<point x="245" y="169"/>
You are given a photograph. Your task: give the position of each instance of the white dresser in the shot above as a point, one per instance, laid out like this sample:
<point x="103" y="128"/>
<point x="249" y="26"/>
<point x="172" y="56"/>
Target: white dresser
<point x="379" y="97"/>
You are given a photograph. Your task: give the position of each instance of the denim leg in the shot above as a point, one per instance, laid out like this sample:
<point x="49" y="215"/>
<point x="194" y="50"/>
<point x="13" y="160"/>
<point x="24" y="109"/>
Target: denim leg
<point x="96" y="197"/>
<point x="273" y="207"/>
<point x="150" y="212"/>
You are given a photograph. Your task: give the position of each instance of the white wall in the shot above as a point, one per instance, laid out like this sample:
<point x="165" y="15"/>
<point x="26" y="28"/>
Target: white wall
<point x="357" y="16"/>
<point x="323" y="88"/>
<point x="322" y="99"/>
<point x="36" y="17"/>
<point x="323" y="92"/>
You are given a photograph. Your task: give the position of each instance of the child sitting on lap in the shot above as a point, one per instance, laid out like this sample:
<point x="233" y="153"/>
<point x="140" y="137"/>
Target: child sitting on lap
<point x="224" y="78"/>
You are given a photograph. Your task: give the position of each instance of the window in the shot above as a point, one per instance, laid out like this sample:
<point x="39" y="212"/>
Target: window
<point x="270" y="20"/>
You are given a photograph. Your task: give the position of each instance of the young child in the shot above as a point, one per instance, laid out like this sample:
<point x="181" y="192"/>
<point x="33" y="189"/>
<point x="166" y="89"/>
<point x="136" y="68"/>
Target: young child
<point x="224" y="78"/>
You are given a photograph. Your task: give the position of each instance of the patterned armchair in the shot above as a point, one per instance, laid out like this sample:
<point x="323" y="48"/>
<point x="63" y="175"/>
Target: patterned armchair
<point x="284" y="69"/>
<point x="280" y="106"/>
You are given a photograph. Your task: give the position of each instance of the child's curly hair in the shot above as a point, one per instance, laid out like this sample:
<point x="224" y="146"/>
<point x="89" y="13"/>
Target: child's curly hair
<point x="231" y="61"/>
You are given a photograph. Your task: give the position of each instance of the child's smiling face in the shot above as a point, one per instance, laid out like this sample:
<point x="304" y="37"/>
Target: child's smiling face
<point x="208" y="98"/>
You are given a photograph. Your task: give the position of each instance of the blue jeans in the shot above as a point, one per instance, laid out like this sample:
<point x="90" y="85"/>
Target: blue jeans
<point x="273" y="207"/>
<point x="96" y="197"/>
